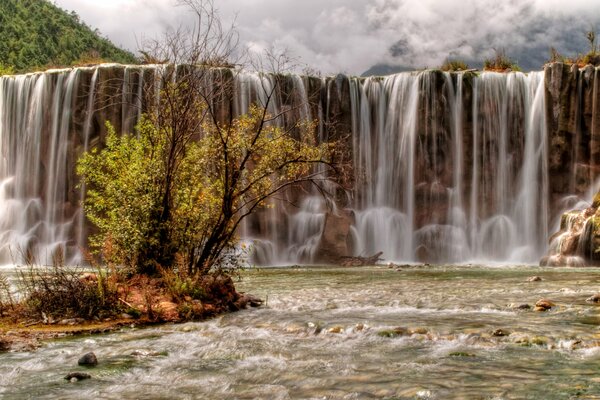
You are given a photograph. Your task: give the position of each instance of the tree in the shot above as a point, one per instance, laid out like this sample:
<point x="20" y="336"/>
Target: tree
<point x="183" y="185"/>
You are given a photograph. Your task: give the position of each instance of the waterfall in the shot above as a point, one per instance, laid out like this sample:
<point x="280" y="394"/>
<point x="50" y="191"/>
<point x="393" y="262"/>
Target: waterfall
<point x="445" y="167"/>
<point x="413" y="207"/>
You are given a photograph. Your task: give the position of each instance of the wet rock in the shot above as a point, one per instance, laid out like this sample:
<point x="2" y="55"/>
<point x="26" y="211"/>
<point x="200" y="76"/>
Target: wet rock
<point x="389" y="333"/>
<point x="544" y="305"/>
<point x="246" y="300"/>
<point x="417" y="330"/>
<point x="316" y="328"/>
<point x="500" y="333"/>
<point x="336" y="329"/>
<point x="77" y="376"/>
<point x="88" y="360"/>
<point x="126" y="316"/>
<point x="359" y="327"/>
<point x="534" y="279"/>
<point x="461" y="354"/>
<point x="594" y="299"/>
<point x="523" y="307"/>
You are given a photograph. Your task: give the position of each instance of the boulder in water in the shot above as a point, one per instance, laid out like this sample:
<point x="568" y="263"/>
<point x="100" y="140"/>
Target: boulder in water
<point x="88" y="360"/>
<point x="544" y="305"/>
<point x="77" y="376"/>
<point x="500" y="333"/>
<point x="534" y="279"/>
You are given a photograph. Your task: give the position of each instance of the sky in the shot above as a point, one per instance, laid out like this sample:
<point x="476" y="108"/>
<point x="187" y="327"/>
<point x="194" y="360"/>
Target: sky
<point x="355" y="36"/>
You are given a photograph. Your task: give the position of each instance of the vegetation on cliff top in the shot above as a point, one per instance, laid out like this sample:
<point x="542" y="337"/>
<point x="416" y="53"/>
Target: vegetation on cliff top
<point x="592" y="57"/>
<point x="36" y="34"/>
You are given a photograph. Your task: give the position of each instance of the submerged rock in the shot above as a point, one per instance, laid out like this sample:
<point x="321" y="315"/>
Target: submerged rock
<point x="88" y="360"/>
<point x="77" y="376"/>
<point x="336" y="329"/>
<point x="500" y="333"/>
<point x="389" y="333"/>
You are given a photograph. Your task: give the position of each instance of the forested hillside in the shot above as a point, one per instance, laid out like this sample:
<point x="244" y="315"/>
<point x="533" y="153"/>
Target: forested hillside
<point x="37" y="34"/>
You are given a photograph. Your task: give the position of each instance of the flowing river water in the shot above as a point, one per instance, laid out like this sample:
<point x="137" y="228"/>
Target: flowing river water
<point x="325" y="333"/>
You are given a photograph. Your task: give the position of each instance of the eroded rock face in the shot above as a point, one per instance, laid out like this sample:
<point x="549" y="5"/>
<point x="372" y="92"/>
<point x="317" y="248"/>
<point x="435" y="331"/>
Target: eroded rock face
<point x="577" y="243"/>
<point x="336" y="239"/>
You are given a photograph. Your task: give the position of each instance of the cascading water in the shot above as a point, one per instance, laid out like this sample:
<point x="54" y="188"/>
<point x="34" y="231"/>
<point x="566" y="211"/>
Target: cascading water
<point x="418" y="161"/>
<point x="35" y="117"/>
<point x="446" y="166"/>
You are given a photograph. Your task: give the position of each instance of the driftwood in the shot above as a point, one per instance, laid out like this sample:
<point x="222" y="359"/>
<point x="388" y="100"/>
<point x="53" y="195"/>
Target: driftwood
<point x="349" y="261"/>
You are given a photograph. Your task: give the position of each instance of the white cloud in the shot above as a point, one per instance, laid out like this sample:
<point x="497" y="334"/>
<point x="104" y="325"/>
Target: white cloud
<point x="353" y="35"/>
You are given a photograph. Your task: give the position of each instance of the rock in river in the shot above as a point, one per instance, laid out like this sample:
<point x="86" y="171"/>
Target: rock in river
<point x="543" y="305"/>
<point x="88" y="360"/>
<point x="77" y="376"/>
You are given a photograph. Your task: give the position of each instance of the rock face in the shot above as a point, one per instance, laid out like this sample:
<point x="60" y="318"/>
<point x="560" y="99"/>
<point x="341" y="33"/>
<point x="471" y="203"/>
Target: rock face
<point x="336" y="240"/>
<point x="577" y="243"/>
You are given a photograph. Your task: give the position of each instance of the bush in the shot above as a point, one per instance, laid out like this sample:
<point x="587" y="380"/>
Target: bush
<point x="454" y="65"/>
<point x="500" y="63"/>
<point x="59" y="292"/>
<point x="7" y="299"/>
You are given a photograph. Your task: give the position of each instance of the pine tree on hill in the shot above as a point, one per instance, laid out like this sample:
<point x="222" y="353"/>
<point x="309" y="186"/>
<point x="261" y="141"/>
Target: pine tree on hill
<point x="36" y="34"/>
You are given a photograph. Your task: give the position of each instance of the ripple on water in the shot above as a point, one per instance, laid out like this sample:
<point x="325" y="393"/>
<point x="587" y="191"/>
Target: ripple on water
<point x="317" y="337"/>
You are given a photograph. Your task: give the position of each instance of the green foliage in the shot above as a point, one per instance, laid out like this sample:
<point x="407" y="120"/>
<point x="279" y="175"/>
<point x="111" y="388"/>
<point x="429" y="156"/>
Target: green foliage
<point x="454" y="65"/>
<point x="35" y="34"/>
<point x="500" y="63"/>
<point x="155" y="195"/>
<point x="6" y="70"/>
<point x="122" y="196"/>
<point x="182" y="285"/>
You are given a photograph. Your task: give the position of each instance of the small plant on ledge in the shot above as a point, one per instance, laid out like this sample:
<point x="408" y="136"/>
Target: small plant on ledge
<point x="454" y="66"/>
<point x="500" y="63"/>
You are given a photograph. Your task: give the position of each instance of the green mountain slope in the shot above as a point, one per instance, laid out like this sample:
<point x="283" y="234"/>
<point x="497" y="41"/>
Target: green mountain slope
<point x="36" y="33"/>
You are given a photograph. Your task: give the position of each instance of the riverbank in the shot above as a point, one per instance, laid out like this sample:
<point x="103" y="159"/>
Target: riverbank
<point x="135" y="302"/>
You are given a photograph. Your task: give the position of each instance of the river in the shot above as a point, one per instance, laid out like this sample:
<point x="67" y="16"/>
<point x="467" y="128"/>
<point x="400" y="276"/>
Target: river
<point x="326" y="333"/>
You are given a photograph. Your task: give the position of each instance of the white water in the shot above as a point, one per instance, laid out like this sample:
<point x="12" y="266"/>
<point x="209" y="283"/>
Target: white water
<point x="319" y="336"/>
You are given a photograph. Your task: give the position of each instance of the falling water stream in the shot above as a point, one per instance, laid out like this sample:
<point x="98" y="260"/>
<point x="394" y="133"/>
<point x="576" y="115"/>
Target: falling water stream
<point x="319" y="337"/>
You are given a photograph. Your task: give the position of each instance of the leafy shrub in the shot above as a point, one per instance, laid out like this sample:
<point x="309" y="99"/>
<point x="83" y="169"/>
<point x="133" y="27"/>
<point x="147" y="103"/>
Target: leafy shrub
<point x="182" y="285"/>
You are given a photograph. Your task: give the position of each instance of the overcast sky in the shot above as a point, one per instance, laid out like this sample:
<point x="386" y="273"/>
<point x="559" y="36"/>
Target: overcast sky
<point x="351" y="36"/>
